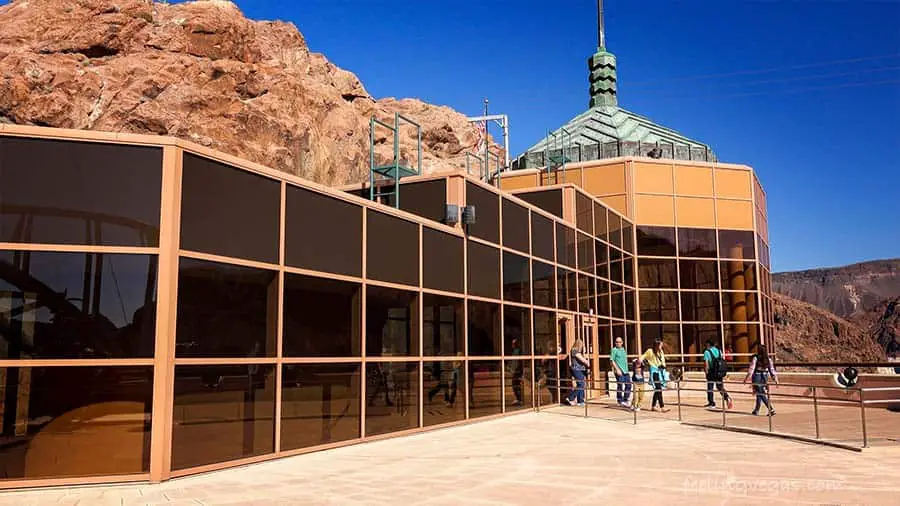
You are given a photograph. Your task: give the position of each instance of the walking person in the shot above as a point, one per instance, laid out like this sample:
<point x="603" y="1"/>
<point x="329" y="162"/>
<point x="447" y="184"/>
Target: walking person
<point x="637" y="379"/>
<point x="578" y="363"/>
<point x="716" y="368"/>
<point x="620" y="368"/>
<point x="761" y="367"/>
<point x="656" y="358"/>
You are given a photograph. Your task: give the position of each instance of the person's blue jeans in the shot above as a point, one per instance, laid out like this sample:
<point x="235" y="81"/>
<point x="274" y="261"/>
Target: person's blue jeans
<point x="578" y="392"/>
<point x="760" y="381"/>
<point x="623" y="388"/>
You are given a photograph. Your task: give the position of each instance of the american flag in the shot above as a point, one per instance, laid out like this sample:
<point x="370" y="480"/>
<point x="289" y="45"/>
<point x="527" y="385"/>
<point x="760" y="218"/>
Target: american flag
<point x="480" y="130"/>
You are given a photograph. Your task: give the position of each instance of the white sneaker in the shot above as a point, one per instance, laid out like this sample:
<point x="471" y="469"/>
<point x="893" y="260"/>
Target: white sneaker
<point x="569" y="402"/>
<point x="636" y="408"/>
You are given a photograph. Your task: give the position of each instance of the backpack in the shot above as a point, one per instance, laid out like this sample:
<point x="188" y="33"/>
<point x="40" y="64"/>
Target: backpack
<point x="718" y="367"/>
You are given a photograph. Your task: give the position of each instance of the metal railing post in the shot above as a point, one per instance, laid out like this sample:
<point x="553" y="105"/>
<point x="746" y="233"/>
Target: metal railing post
<point x="722" y="395"/>
<point x="862" y="410"/>
<point x="769" y="407"/>
<point x="584" y="394"/>
<point x="678" y="391"/>
<point x="816" y="410"/>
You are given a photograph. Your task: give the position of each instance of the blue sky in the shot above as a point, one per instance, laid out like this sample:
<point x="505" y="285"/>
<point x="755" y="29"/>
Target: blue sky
<point x="824" y="138"/>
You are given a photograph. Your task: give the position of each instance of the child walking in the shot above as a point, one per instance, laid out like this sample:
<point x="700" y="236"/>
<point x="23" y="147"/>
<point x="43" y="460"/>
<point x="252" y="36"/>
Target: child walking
<point x="637" y="378"/>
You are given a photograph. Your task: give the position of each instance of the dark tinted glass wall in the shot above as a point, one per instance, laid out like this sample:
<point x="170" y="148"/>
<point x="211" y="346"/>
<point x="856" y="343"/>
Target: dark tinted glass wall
<point x="442" y="261"/>
<point x="548" y="200"/>
<point x="230" y="212"/>
<point x="442" y="326"/>
<point x="392" y="249"/>
<point x="542" y="244"/>
<point x="392" y="391"/>
<point x="516" y="278"/>
<point x="516" y="331"/>
<point x="322" y="233"/>
<point x="487" y="213"/>
<point x="320" y="404"/>
<point x="656" y="241"/>
<point x="69" y="192"/>
<point x="484" y="328"/>
<point x="77" y="305"/>
<point x="697" y="242"/>
<point x="392" y="322"/>
<point x="321" y="317"/>
<point x="484" y="270"/>
<point x="515" y="226"/>
<point x="427" y="199"/>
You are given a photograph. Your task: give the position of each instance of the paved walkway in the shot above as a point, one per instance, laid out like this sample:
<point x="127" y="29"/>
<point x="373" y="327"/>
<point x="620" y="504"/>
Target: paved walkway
<point x="535" y="458"/>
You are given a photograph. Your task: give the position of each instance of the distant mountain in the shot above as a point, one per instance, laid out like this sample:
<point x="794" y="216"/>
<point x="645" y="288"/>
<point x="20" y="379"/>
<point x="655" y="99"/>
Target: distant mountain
<point x="845" y="291"/>
<point x="882" y="325"/>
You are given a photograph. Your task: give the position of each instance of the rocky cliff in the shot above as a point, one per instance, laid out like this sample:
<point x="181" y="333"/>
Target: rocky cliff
<point x="203" y="72"/>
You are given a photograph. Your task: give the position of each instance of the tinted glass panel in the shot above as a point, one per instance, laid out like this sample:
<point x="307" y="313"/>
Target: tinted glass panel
<point x="320" y="404"/>
<point x="391" y="322"/>
<point x="427" y="199"/>
<point x="584" y="218"/>
<point x="225" y="310"/>
<point x="668" y="333"/>
<point x="442" y="331"/>
<point x="585" y="253"/>
<point x="542" y="244"/>
<point x="567" y="289"/>
<point x="615" y="230"/>
<point x="699" y="274"/>
<point x="657" y="273"/>
<point x="392" y="249"/>
<point x="485" y="387"/>
<point x="484" y="270"/>
<point x="629" y="304"/>
<point x="442" y="261"/>
<point x="228" y="211"/>
<point x="628" y="271"/>
<point x="546" y="381"/>
<point x="601" y="253"/>
<point x="515" y="226"/>
<point x="615" y="271"/>
<point x="700" y="306"/>
<point x="321" y="317"/>
<point x="77" y="305"/>
<point x="516" y="279"/>
<point x="444" y="392"/>
<point x="656" y="241"/>
<point x="697" y="242"/>
<point x="548" y="200"/>
<point x="487" y="213"/>
<point x="628" y="237"/>
<point x="617" y="303"/>
<point x="516" y="331"/>
<point x="736" y="244"/>
<point x="392" y="390"/>
<point x="603" y="302"/>
<point x="518" y="384"/>
<point x="632" y="339"/>
<point x="322" y="233"/>
<point x="544" y="332"/>
<point x="484" y="329"/>
<point x="586" y="297"/>
<point x="544" y="284"/>
<point x="741" y="338"/>
<point x="694" y="337"/>
<point x="740" y="307"/>
<point x="600" y="225"/>
<point x="55" y="421"/>
<point x="100" y="194"/>
<point x="658" y="306"/>
<point x="565" y="245"/>
<point x="222" y="413"/>
<point x="737" y="275"/>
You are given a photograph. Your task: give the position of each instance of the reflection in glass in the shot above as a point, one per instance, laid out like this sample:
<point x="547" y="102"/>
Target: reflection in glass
<point x="485" y="388"/>
<point x="442" y="330"/>
<point x="628" y="270"/>
<point x="427" y="199"/>
<point x="544" y="284"/>
<point x="615" y="271"/>
<point x="738" y="275"/>
<point x="484" y="329"/>
<point x="77" y="305"/>
<point x="544" y="332"/>
<point x="694" y="337"/>
<point x="483" y="270"/>
<point x="601" y="252"/>
<point x="391" y="322"/>
<point x="58" y="422"/>
<point x="571" y="291"/>
<point x="617" y="302"/>
<point x="222" y="413"/>
<point x="585" y="253"/>
<point x="742" y="338"/>
<point x="700" y="306"/>
<point x="548" y="200"/>
<point x="442" y="261"/>
<point x="392" y="251"/>
<point x="699" y="274"/>
<point x="615" y="230"/>
<point x="542" y="243"/>
<point x="516" y="278"/>
<point x="320" y="404"/>
<point x="311" y="242"/>
<point x="517" y="381"/>
<point x="632" y="340"/>
<point x="392" y="391"/>
<point x="321" y="317"/>
<point x="603" y="303"/>
<point x="444" y="391"/>
<point x="629" y="304"/>
<point x="736" y="244"/>
<point x="515" y="226"/>
<point x="668" y="333"/>
<point x="628" y="237"/>
<point x="697" y="242"/>
<point x="546" y="381"/>
<point x="739" y="307"/>
<point x="657" y="273"/>
<point x="225" y="310"/>
<point x="587" y="300"/>
<point x="600" y="230"/>
<point x="487" y="209"/>
<point x="66" y="192"/>
<point x="658" y="306"/>
<point x="565" y="245"/>
<point x="516" y="331"/>
<point x="656" y="241"/>
<point x="584" y="218"/>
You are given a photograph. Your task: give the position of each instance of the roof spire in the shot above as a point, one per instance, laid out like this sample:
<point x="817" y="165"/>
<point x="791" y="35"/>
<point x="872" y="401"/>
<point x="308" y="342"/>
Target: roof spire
<point x="602" y="66"/>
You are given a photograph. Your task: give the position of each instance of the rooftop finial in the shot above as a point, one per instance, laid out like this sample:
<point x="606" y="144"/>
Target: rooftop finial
<point x="601" y="32"/>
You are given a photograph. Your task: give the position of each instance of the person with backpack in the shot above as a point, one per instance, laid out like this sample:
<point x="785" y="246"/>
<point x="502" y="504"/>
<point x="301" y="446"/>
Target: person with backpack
<point x="578" y="363"/>
<point x="716" y="368"/>
<point x="761" y="366"/>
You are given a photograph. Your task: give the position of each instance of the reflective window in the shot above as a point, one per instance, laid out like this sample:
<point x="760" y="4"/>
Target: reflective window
<point x="615" y="271"/>
<point x="225" y="310"/>
<point x="544" y="284"/>
<point x="544" y="332"/>
<point x="483" y="270"/>
<point x="615" y="230"/>
<point x="517" y="381"/>
<point x="658" y="306"/>
<point x="600" y="224"/>
<point x="584" y="217"/>
<point x="632" y="340"/>
<point x="228" y="211"/>
<point x="668" y="333"/>
<point x="629" y="304"/>
<point x="487" y="213"/>
<point x="603" y="303"/>
<point x="55" y="421"/>
<point x="565" y="245"/>
<point x="700" y="306"/>
<point x="516" y="278"/>
<point x="585" y="253"/>
<point x="77" y="305"/>
<point x="617" y="302"/>
<point x="548" y="200"/>
<point x="321" y="317"/>
<point x="485" y="388"/>
<point x="657" y="273"/>
<point x="484" y="329"/>
<point x="742" y="337"/>
<point x="587" y="300"/>
<point x="628" y="271"/>
<point x="656" y="241"/>
<point x="444" y="392"/>
<point x="516" y="331"/>
<point x="392" y="249"/>
<point x="627" y="237"/>
<point x="392" y="392"/>
<point x="694" y="337"/>
<point x="736" y="244"/>
<point x="442" y="261"/>
<point x="542" y="244"/>
<point x="322" y="233"/>
<point x="222" y="413"/>
<point x="427" y="199"/>
<point x="601" y="255"/>
<point x="391" y="322"/>
<point x="99" y="194"/>
<point x="566" y="289"/>
<point x="697" y="242"/>
<point x="738" y="275"/>
<point x="740" y="307"/>
<point x="442" y="326"/>
<point x="515" y="226"/>
<point x="699" y="274"/>
<point x="546" y="381"/>
<point x="320" y="404"/>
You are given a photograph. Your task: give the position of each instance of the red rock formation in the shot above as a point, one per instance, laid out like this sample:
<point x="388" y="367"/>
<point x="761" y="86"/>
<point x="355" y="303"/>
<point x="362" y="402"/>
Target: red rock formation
<point x="202" y="71"/>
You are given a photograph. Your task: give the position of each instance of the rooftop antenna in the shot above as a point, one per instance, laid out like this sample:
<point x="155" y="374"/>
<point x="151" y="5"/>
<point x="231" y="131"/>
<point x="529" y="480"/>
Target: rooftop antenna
<point x="602" y="66"/>
<point x="601" y="33"/>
